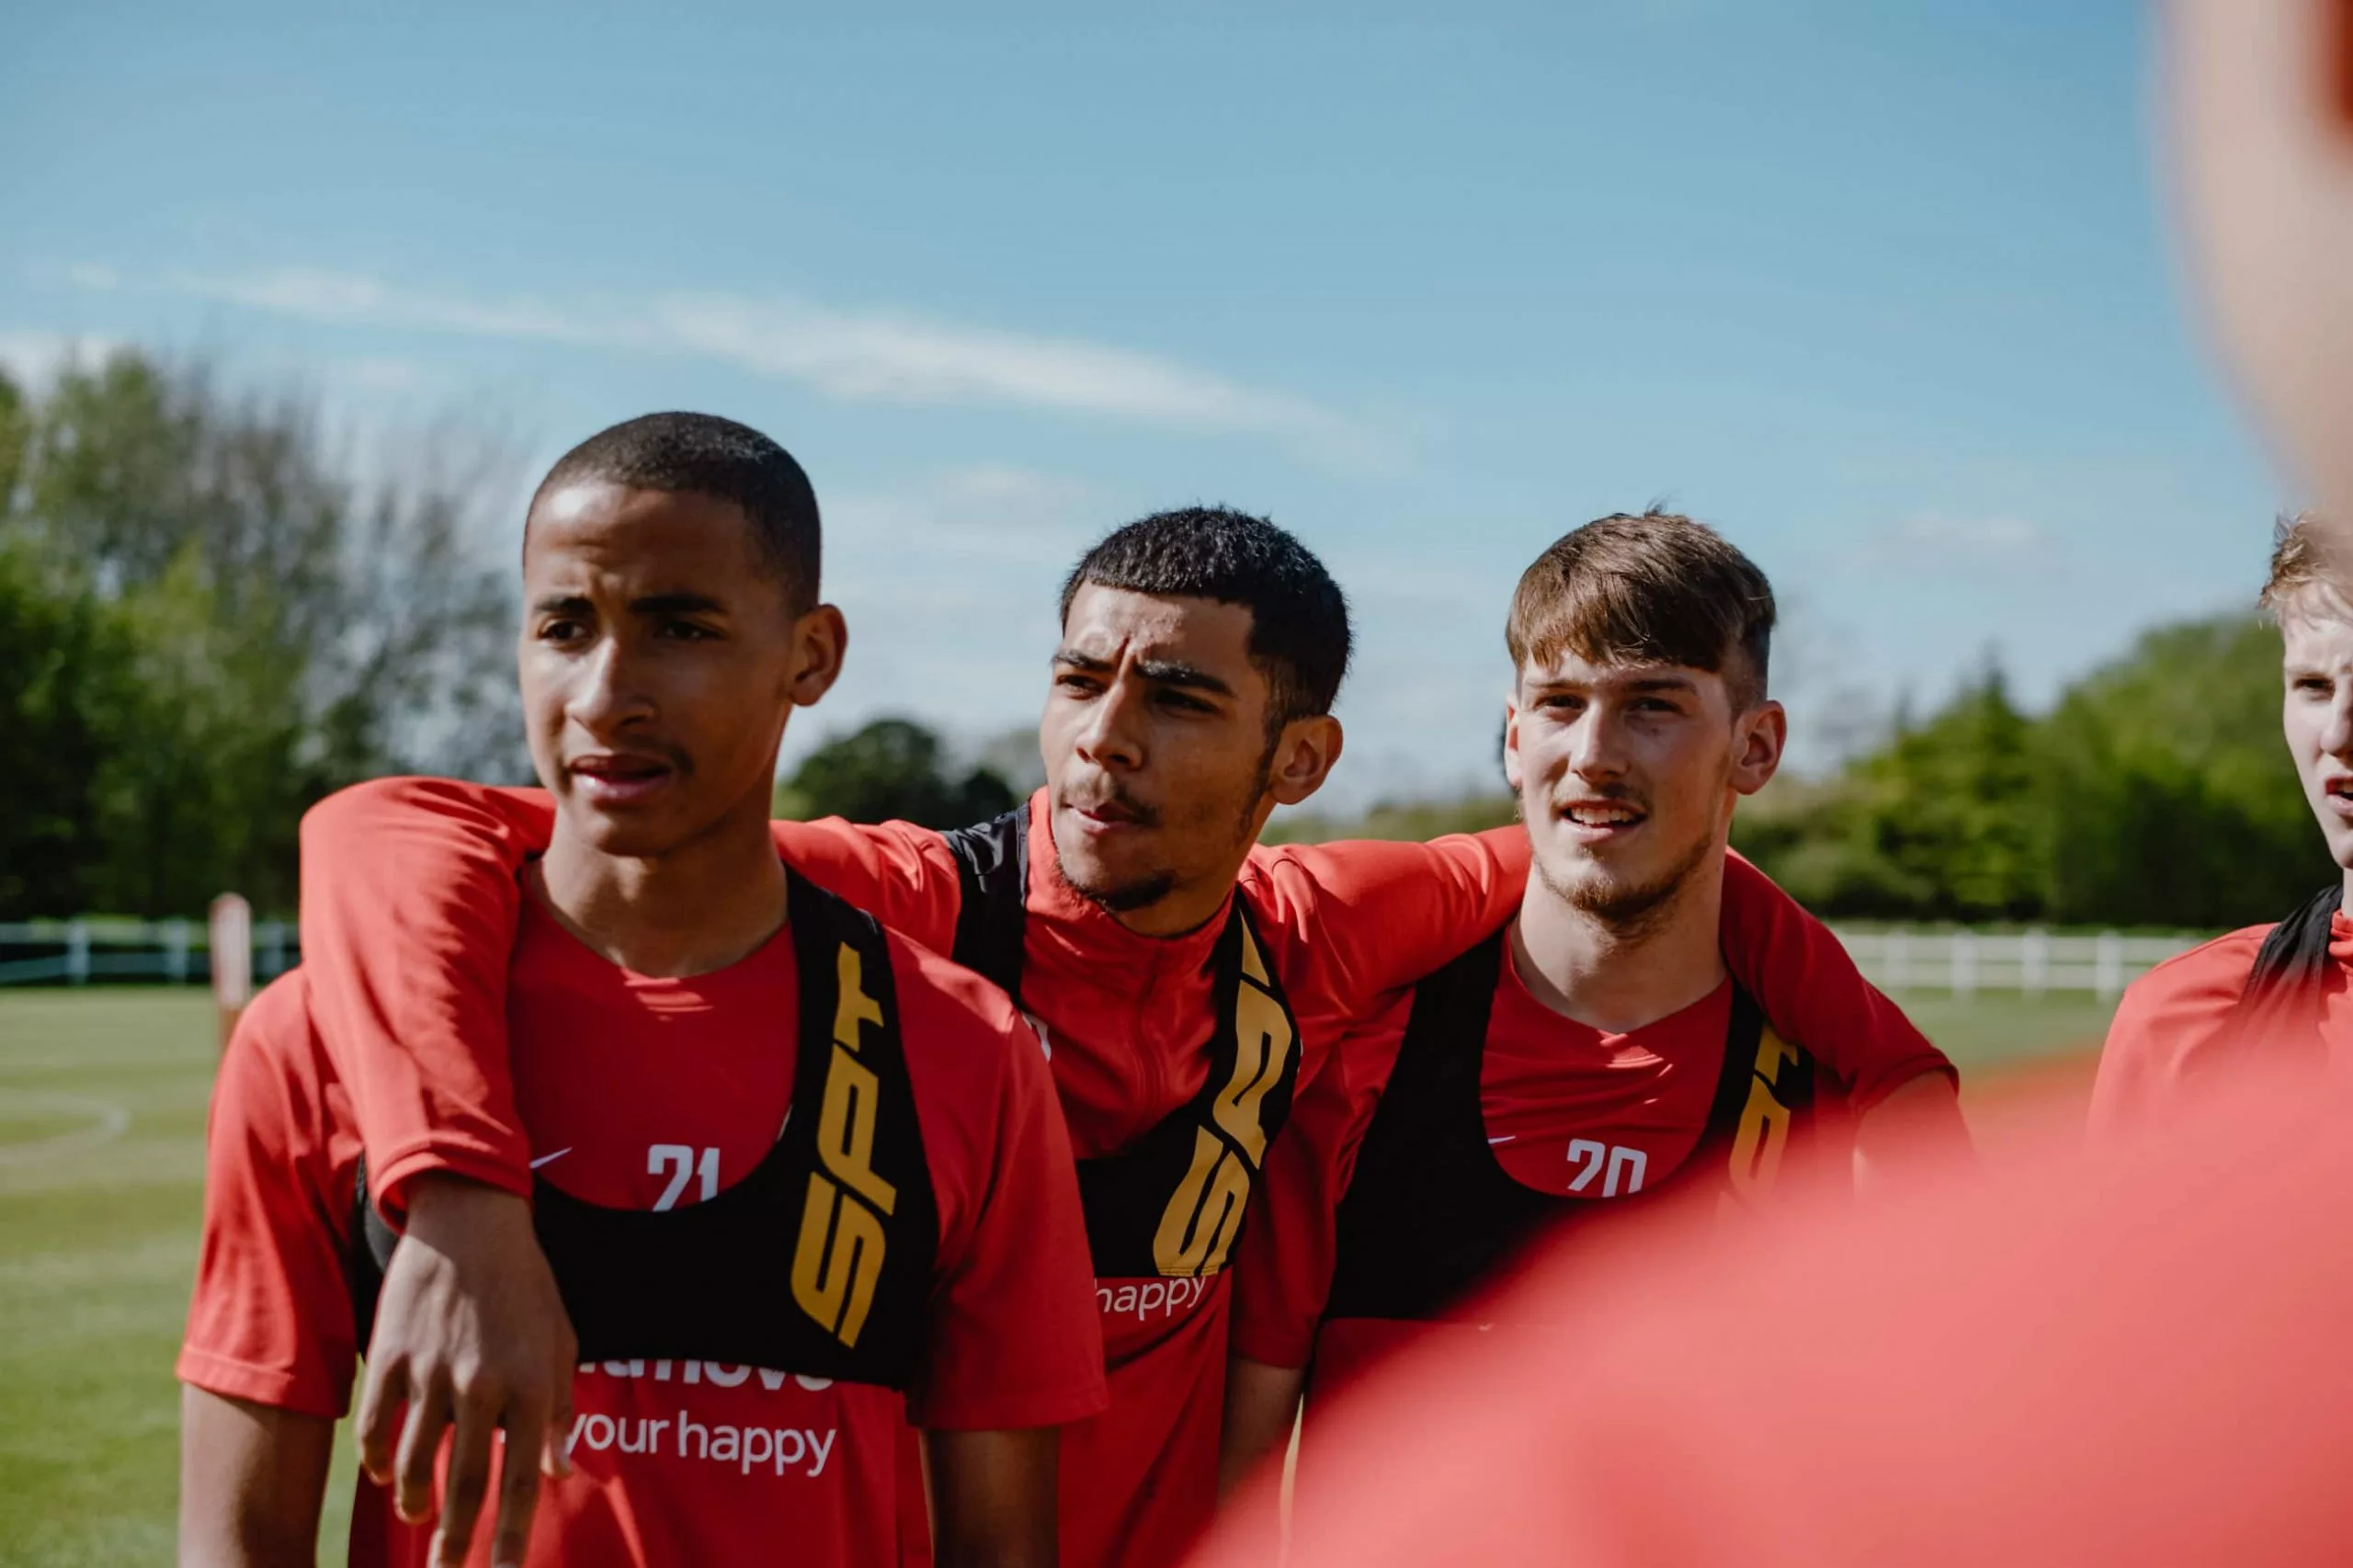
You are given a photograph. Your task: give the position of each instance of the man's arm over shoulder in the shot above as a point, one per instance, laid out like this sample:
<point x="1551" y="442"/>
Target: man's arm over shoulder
<point x="410" y="900"/>
<point x="1806" y="982"/>
<point x="1015" y="1338"/>
<point x="1366" y="916"/>
<point x="2165" y="1015"/>
<point x="903" y="875"/>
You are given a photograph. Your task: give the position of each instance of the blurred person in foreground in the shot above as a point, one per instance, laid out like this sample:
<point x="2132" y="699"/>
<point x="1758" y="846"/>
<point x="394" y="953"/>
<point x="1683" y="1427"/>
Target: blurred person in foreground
<point x="2282" y="991"/>
<point x="1595" y="1055"/>
<point x="761" y="1298"/>
<point x="1186" y="980"/>
<point x="2130" y="1352"/>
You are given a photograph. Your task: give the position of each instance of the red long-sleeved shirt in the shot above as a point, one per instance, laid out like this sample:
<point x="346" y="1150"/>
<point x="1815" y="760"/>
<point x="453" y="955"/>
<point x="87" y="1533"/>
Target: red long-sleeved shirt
<point x="2178" y="1008"/>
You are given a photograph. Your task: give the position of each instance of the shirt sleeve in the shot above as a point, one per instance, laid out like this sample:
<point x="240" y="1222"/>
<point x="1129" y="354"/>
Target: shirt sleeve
<point x="2164" y="1016"/>
<point x="409" y="903"/>
<point x="1282" y="1270"/>
<point x="410" y="897"/>
<point x="1803" y="978"/>
<point x="1016" y="1340"/>
<point x="271" y="1319"/>
<point x="1367" y="916"/>
<point x="903" y="875"/>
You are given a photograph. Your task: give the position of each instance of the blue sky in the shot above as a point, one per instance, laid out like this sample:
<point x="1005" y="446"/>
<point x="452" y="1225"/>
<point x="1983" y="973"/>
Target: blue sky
<point x="1885" y="292"/>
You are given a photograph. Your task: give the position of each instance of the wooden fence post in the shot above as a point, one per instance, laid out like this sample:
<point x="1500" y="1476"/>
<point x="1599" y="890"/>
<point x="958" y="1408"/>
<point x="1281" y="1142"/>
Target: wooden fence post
<point x="231" y="930"/>
<point x="2034" y="962"/>
<point x="2107" y="966"/>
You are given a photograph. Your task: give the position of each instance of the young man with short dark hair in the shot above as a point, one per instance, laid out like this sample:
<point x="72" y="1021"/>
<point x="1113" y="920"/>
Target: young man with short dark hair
<point x="797" y="1178"/>
<point x="1596" y="1054"/>
<point x="2265" y="994"/>
<point x="1187" y="982"/>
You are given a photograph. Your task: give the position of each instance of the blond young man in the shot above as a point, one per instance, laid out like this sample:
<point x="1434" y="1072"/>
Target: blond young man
<point x="2280" y="992"/>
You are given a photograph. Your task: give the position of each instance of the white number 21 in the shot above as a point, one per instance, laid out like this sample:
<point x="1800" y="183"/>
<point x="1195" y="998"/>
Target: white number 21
<point x="1621" y="1160"/>
<point x="679" y="1160"/>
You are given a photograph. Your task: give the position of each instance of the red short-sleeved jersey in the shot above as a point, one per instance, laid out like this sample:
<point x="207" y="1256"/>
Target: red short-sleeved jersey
<point x="1546" y="1083"/>
<point x="2130" y="1352"/>
<point x="2179" y="1006"/>
<point x="412" y="1009"/>
<point x="654" y="1093"/>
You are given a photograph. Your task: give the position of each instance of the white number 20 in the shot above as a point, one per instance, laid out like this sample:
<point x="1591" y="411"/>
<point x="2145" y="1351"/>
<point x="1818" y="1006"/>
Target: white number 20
<point x="1622" y="1164"/>
<point x="680" y="1161"/>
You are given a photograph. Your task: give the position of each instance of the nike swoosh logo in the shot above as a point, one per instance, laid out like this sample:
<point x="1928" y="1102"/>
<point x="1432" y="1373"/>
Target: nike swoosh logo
<point x="1491" y="1143"/>
<point x="545" y="1159"/>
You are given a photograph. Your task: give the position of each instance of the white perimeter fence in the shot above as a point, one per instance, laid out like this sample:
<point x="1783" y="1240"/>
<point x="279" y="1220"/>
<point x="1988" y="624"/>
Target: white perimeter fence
<point x="77" y="952"/>
<point x="80" y="952"/>
<point x="1964" y="962"/>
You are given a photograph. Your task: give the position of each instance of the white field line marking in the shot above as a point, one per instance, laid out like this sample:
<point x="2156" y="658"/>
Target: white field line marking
<point x="111" y="1120"/>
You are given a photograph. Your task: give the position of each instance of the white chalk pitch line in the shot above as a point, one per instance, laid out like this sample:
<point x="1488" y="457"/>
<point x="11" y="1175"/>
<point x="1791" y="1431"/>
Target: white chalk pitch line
<point x="108" y="1123"/>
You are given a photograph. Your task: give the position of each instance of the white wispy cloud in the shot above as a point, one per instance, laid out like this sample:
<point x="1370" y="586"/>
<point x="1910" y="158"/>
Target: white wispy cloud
<point x="861" y="358"/>
<point x="382" y="373"/>
<point x="35" y="358"/>
<point x="852" y="355"/>
<point x="967" y="520"/>
<point x="2000" y="534"/>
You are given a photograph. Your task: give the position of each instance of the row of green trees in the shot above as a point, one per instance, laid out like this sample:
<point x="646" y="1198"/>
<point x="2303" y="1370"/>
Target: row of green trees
<point x="2156" y="791"/>
<point x="892" y="769"/>
<point x="207" y="620"/>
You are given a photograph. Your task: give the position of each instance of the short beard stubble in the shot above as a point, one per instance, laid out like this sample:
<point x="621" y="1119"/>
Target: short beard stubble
<point x="1629" y="913"/>
<point x="1126" y="898"/>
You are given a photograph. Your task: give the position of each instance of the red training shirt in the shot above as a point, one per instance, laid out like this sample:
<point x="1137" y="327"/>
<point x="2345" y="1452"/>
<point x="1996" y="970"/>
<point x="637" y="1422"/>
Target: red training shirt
<point x="2130" y="1352"/>
<point x="411" y="1005"/>
<point x="652" y="1092"/>
<point x="1546" y="1082"/>
<point x="2178" y="1007"/>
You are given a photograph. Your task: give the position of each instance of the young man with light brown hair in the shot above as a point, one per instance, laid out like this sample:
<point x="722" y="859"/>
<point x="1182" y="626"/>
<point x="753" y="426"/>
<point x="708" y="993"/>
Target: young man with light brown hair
<point x="1596" y="1053"/>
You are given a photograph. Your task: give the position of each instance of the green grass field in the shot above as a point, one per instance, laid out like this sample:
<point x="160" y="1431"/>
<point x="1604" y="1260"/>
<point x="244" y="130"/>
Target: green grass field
<point x="102" y="1101"/>
<point x="97" y="1247"/>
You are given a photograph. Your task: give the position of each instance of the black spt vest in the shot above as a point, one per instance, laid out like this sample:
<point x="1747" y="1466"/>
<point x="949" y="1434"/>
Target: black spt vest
<point x="820" y="1261"/>
<point x="1430" y="1212"/>
<point x="1172" y="1202"/>
<point x="2279" y="1009"/>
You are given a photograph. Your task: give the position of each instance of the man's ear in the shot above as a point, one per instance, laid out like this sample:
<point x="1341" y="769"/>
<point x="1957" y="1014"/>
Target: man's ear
<point x="1305" y="757"/>
<point x="820" y="641"/>
<point x="1511" y="742"/>
<point x="1758" y="737"/>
